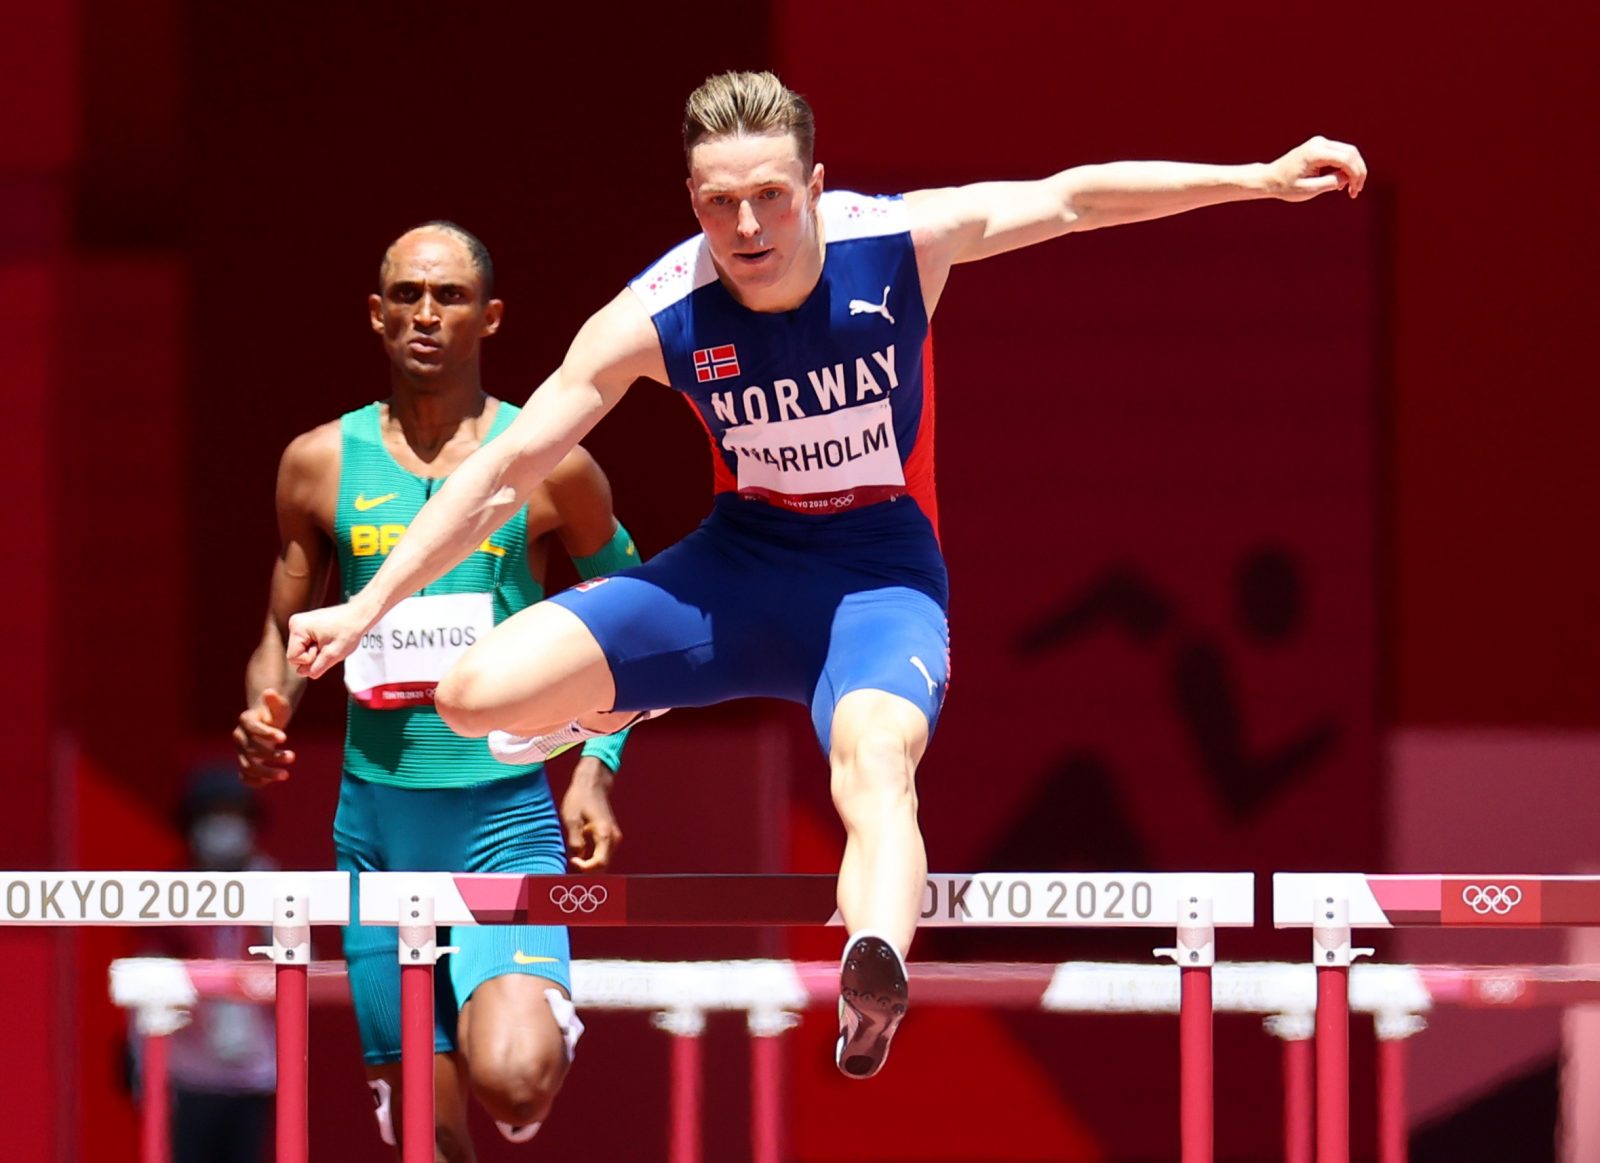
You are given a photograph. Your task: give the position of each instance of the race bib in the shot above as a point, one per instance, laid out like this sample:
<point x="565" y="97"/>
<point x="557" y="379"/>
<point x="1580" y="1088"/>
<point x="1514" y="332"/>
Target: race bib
<point x="825" y="463"/>
<point x="401" y="660"/>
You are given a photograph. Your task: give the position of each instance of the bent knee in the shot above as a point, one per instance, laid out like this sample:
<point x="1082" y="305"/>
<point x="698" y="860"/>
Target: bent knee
<point x="518" y="1087"/>
<point x="465" y="700"/>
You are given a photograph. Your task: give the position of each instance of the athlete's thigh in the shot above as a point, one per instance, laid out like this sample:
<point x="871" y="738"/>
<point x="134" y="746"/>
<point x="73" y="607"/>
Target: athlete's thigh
<point x="712" y="618"/>
<point x="540" y="666"/>
<point x="891" y="639"/>
<point x="366" y="813"/>
<point x="514" y="827"/>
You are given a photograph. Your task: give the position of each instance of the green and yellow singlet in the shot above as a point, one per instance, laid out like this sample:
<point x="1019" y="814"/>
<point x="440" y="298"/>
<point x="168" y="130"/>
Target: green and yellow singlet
<point x="393" y="735"/>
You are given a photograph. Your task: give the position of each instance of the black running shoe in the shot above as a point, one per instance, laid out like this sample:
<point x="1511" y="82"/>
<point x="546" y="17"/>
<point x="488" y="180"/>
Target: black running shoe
<point x="872" y="1000"/>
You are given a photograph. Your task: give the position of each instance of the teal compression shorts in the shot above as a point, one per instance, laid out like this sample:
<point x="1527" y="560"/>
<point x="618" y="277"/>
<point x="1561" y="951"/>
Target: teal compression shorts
<point x="507" y="825"/>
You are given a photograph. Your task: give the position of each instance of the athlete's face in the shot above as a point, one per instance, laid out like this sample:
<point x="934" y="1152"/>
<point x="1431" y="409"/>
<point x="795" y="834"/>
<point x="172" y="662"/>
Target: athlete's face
<point x="757" y="205"/>
<point x="432" y="312"/>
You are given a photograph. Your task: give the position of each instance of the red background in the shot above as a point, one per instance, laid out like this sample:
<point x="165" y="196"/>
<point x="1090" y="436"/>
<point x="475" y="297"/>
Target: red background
<point x="192" y="202"/>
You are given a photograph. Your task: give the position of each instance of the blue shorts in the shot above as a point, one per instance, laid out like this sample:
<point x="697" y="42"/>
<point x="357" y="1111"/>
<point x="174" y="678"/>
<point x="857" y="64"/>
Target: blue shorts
<point x="759" y="601"/>
<point x="507" y="825"/>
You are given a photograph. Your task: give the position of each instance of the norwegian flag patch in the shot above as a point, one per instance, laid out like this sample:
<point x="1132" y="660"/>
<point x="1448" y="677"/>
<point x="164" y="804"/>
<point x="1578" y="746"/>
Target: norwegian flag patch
<point x="716" y="363"/>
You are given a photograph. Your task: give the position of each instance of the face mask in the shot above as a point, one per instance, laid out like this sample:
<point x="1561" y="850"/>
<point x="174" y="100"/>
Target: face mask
<point x="221" y="841"/>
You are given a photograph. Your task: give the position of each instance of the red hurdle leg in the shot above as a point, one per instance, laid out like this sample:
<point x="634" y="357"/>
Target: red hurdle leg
<point x="1330" y="945"/>
<point x="1393" y="1030"/>
<point x="291" y="1008"/>
<point x="1195" y="1087"/>
<point x="291" y="953"/>
<point x="419" y="951"/>
<point x="1333" y="1064"/>
<point x="1196" y="953"/>
<point x="766" y="1083"/>
<point x="155" y="1115"/>
<point x="1295" y="1031"/>
<point x="686" y="1028"/>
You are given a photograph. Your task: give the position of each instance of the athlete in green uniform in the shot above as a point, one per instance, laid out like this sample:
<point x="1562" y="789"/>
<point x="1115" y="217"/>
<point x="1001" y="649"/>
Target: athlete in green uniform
<point x="416" y="796"/>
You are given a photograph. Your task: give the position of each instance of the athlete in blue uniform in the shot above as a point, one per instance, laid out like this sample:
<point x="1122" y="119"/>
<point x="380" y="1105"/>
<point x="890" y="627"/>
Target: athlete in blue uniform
<point x="416" y="795"/>
<point x="795" y="324"/>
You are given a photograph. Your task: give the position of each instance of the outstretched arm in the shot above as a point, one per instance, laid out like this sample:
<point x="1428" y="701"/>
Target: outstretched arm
<point x="615" y="347"/>
<point x="967" y="223"/>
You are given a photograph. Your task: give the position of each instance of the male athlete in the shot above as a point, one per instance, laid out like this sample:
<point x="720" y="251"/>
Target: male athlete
<point x="795" y="324"/>
<point x="415" y="795"/>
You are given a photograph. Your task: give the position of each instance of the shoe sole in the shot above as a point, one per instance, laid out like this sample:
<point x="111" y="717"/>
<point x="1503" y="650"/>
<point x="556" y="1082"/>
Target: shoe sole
<point x="873" y="985"/>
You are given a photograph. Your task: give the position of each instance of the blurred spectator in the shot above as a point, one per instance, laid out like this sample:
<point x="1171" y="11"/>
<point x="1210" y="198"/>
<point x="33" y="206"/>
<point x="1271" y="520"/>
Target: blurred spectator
<point x="223" y="1065"/>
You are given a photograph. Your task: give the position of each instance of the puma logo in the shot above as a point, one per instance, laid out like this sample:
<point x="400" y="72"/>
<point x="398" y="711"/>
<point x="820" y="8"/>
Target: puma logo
<point x="862" y="307"/>
<point x="928" y="678"/>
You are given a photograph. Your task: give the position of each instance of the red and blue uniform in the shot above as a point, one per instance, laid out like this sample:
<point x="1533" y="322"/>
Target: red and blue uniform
<point x="818" y="571"/>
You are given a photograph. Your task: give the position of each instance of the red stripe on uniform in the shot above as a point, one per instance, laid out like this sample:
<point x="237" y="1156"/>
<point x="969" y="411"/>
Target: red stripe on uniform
<point x="919" y="465"/>
<point x="722" y="479"/>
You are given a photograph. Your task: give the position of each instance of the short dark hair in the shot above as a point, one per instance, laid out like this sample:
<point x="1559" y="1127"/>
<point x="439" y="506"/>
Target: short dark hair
<point x="476" y="251"/>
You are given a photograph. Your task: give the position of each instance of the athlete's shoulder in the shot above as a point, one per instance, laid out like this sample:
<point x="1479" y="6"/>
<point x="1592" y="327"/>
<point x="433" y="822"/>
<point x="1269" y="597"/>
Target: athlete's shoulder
<point x="308" y="473"/>
<point x="846" y="215"/>
<point x="314" y="447"/>
<point x="675" y="275"/>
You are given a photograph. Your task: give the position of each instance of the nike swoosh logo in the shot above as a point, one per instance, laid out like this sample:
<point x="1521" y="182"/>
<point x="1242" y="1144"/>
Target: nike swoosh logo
<point x="522" y="958"/>
<point x="492" y="549"/>
<point x="362" y="504"/>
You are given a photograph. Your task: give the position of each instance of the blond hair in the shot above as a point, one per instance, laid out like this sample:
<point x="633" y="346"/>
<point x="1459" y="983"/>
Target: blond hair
<point x="748" y="103"/>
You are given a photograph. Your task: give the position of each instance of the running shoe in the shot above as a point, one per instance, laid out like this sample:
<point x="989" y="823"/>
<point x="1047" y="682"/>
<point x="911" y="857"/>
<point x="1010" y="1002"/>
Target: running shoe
<point x="873" y="990"/>
<point x="522" y="749"/>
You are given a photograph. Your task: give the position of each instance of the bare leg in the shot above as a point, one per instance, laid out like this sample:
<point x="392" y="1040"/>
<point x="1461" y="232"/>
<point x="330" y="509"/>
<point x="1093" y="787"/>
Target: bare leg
<point x="878" y="740"/>
<point x="451" y="1142"/>
<point x="516" y="1057"/>
<point x="536" y="671"/>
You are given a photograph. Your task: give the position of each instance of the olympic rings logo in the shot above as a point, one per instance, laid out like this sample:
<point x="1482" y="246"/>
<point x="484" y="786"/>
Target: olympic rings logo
<point x="843" y="502"/>
<point x="1491" y="898"/>
<point x="578" y="898"/>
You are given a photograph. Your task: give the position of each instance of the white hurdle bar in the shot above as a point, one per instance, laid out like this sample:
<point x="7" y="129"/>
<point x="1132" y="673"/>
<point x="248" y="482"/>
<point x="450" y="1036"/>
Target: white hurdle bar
<point x="1332" y="904"/>
<point x="288" y="903"/>
<point x="1193" y="905"/>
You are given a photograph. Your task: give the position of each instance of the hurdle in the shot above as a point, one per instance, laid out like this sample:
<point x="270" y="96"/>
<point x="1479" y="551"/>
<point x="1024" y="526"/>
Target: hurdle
<point x="1333" y="904"/>
<point x="1194" y="905"/>
<point x="288" y="903"/>
<point x="679" y="995"/>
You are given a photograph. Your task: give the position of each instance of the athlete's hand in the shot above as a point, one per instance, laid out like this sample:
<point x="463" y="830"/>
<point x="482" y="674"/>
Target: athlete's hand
<point x="260" y="740"/>
<point x="1317" y="167"/>
<point x="586" y="815"/>
<point x="321" y="639"/>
